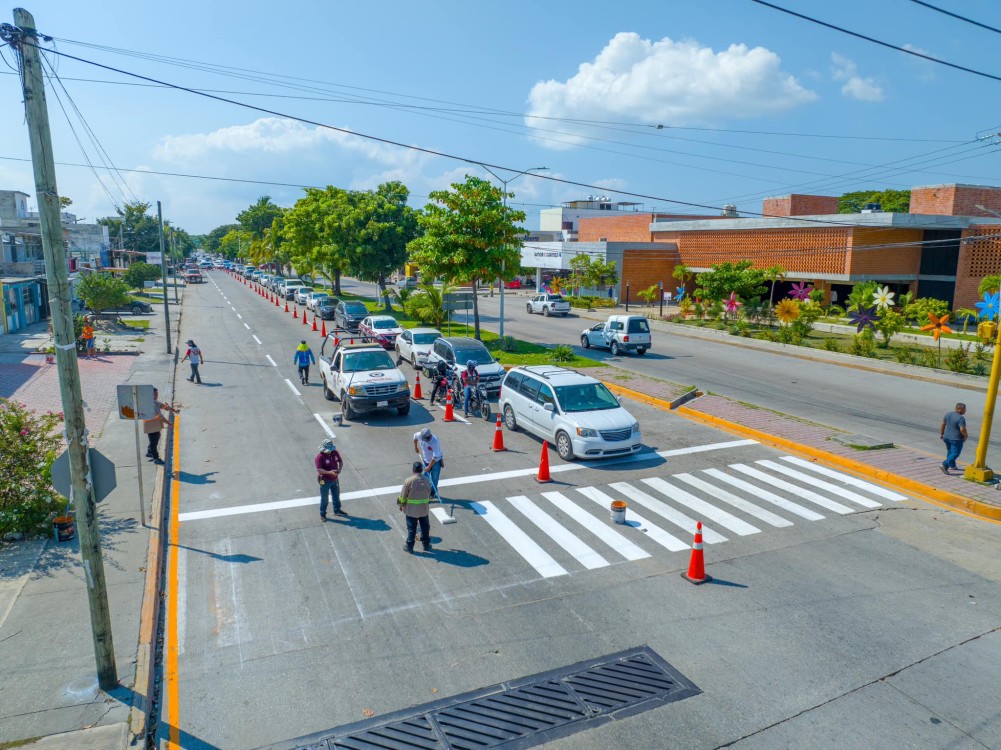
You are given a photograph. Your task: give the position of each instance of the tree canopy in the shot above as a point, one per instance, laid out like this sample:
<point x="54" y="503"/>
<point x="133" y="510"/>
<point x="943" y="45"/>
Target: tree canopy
<point x="258" y="217"/>
<point x="100" y="291"/>
<point x="139" y="273"/>
<point x="740" y="278"/>
<point x="890" y="201"/>
<point x="211" y="241"/>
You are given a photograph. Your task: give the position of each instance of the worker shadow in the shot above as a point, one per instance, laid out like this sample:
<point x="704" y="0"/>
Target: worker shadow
<point x="360" y="523"/>
<point x="189" y="478"/>
<point x="207" y="384"/>
<point x="457" y="557"/>
<point x="237" y="558"/>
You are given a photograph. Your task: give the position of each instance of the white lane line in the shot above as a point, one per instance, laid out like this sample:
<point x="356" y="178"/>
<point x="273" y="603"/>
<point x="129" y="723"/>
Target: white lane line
<point x="257" y="340"/>
<point x="737" y="502"/>
<point x="232" y="308"/>
<point x="820" y="484"/>
<point x="440" y="513"/>
<point x="718" y="516"/>
<point x="324" y="425"/>
<point x="558" y="533"/>
<point x="792" y="489"/>
<point x="609" y="536"/>
<point x="292" y="387"/>
<point x="667" y="512"/>
<point x="245" y="325"/>
<point x="522" y="543"/>
<point x="769" y="497"/>
<point x="239" y="316"/>
<point x="636" y="521"/>
<point x="874" y="489"/>
<point x="238" y="510"/>
<point x="273" y="363"/>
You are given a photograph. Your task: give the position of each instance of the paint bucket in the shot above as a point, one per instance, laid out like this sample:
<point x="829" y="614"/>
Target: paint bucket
<point x="50" y="359"/>
<point x="618" y="509"/>
<point x="64" y="528"/>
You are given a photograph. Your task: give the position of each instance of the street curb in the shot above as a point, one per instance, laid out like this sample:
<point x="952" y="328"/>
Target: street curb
<point x="895" y="481"/>
<point x="684" y="398"/>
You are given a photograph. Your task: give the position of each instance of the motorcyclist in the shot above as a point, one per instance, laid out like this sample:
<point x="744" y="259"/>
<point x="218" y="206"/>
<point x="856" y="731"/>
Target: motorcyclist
<point x="470" y="380"/>
<point x="440" y="378"/>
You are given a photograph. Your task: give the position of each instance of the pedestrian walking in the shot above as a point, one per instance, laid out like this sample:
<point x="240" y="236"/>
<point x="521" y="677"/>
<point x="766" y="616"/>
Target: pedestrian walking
<point x="328" y="464"/>
<point x="303" y="358"/>
<point x="88" y="338"/>
<point x="153" y="427"/>
<point x="194" y="355"/>
<point x="414" y="499"/>
<point x="428" y="447"/>
<point x="953" y="434"/>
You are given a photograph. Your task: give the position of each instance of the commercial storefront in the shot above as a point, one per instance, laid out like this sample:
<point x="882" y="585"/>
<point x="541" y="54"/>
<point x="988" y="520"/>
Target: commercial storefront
<point x="21" y="303"/>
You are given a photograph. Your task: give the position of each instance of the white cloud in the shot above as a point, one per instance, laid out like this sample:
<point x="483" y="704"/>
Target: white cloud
<point x="926" y="67"/>
<point x="857" y="87"/>
<point x="669" y="82"/>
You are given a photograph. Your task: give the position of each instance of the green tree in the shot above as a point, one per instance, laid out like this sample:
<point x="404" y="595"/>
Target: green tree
<point x="28" y="445"/>
<point x="100" y="291"/>
<point x="468" y="235"/>
<point x="989" y="285"/>
<point x="966" y="314"/>
<point x="861" y="295"/>
<point x="773" y="274"/>
<point x="313" y="235"/>
<point x="213" y="239"/>
<point x="890" y="201"/>
<point x="918" y="309"/>
<point x="236" y="243"/>
<point x="259" y="216"/>
<point x="139" y="273"/>
<point x="890" y="323"/>
<point x="427" y="304"/>
<point x="718" y="282"/>
<point x="649" y="294"/>
<point x="135" y="227"/>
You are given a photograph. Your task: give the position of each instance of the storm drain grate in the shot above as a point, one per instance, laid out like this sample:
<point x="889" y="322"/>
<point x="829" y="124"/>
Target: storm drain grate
<point x="519" y="714"/>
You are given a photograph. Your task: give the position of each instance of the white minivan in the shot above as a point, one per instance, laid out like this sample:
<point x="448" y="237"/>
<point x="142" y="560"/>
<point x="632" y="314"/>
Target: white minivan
<point x="574" y="412"/>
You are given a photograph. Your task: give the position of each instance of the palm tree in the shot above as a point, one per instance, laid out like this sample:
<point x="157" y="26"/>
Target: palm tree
<point x="429" y="303"/>
<point x="967" y="314"/>
<point x="774" y="274"/>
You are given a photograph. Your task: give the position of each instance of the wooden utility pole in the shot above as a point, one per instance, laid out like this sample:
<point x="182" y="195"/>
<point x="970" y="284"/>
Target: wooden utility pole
<point x="163" y="271"/>
<point x="24" y="39"/>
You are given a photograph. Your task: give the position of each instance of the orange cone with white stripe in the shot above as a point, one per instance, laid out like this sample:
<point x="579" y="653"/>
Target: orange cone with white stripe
<point x="498" y="437"/>
<point x="304" y="319"/>
<point x="323" y="328"/>
<point x="295" y="313"/>
<point x="286" y="305"/>
<point x="417" y="388"/>
<point x="543" y="475"/>
<point x="697" y="565"/>
<point x="449" y="413"/>
<point x="314" y="324"/>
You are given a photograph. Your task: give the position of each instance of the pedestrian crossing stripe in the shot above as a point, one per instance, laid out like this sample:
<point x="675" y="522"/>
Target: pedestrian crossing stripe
<point x="702" y="494"/>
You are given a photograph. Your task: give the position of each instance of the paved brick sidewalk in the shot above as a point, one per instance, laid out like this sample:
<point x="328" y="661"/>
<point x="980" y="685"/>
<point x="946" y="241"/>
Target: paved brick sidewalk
<point x="28" y="379"/>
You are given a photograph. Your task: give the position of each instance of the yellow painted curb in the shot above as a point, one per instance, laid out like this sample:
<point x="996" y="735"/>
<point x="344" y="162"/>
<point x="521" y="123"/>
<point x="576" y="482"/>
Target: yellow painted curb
<point x="925" y="491"/>
<point x="649" y="400"/>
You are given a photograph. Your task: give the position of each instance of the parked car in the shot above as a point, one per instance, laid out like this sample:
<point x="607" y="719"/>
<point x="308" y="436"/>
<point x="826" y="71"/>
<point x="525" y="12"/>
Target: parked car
<point x="314" y="298"/>
<point x="276" y="282"/>
<point x="574" y="412"/>
<point x="133" y="307"/>
<point x="548" y="304"/>
<point x="349" y="315"/>
<point x="414" y="345"/>
<point x="620" y="333"/>
<point x="302" y="294"/>
<point x="325" y="308"/>
<point x="456" y="351"/>
<point x="407" y="282"/>
<point x="205" y="264"/>
<point x="194" y="277"/>
<point x="513" y="284"/>
<point x="289" y="290"/>
<point x="382" y="328"/>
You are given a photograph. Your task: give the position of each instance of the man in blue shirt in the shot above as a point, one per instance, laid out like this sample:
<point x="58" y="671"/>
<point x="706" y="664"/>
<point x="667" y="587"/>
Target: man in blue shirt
<point x="953" y="434"/>
<point x="303" y="358"/>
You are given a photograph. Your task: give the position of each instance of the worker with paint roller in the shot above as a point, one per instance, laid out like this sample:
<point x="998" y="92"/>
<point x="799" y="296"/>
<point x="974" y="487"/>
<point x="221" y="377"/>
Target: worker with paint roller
<point x="428" y="447"/>
<point x="414" y="498"/>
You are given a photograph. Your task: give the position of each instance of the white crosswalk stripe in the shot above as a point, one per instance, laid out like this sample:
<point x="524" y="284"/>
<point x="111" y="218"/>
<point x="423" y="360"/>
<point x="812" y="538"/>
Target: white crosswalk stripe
<point x="522" y="543"/>
<point x="721" y="517"/>
<point x="599" y="528"/>
<point x="873" y="489"/>
<point x="769" y="497"/>
<point x="558" y="533"/>
<point x="635" y="520"/>
<point x="820" y="484"/>
<point x="737" y="502"/>
<point x="799" y="492"/>
<point x="665" y="511"/>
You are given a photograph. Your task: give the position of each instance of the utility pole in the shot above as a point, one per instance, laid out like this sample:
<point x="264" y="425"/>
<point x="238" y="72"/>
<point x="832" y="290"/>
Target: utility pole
<point x="173" y="260"/>
<point x="163" y="270"/>
<point x="23" y="38"/>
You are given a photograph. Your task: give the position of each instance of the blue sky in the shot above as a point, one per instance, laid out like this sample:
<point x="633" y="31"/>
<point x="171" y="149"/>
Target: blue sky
<point x="512" y="84"/>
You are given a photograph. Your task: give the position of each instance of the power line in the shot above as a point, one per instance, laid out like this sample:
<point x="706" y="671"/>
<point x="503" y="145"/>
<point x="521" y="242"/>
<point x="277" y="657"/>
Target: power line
<point x="881" y="43"/>
<point x="957" y="16"/>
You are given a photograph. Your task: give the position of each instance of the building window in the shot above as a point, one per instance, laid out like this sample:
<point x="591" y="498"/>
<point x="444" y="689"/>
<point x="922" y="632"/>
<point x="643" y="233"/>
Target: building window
<point x="603" y="239"/>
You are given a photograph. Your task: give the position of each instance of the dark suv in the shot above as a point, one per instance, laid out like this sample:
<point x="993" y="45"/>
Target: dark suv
<point x="325" y="308"/>
<point x="349" y="315"/>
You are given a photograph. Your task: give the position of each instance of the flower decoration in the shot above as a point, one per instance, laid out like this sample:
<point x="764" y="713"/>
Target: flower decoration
<point x="680" y="293"/>
<point x="733" y="304"/>
<point x="938" y="325"/>
<point x="787" y="310"/>
<point x="989" y="306"/>
<point x="800" y="291"/>
<point x="883" y="298"/>
<point x="864" y="317"/>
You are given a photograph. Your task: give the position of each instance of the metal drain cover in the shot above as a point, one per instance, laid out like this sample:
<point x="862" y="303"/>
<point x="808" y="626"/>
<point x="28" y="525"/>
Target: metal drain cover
<point x="521" y="713"/>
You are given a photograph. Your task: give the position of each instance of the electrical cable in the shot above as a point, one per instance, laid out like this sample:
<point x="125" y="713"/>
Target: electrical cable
<point x="957" y="16"/>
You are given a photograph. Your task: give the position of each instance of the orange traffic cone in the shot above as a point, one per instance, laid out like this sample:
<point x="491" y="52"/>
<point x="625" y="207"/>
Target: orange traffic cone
<point x="417" y="388"/>
<point x="277" y="303"/>
<point x="314" y="324"/>
<point x="323" y="328"/>
<point x="286" y="305"/>
<point x="697" y="566"/>
<point x="449" y="415"/>
<point x="544" y="464"/>
<point x="295" y="313"/>
<point x="499" y="437"/>
<point x="304" y="318"/>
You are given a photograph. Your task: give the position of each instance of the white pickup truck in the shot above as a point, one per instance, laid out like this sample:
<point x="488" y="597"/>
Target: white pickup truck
<point x="620" y="333"/>
<point x="362" y="376"/>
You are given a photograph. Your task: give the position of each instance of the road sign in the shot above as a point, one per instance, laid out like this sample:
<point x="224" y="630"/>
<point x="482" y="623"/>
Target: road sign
<point x="154" y="258"/>
<point x="102" y="473"/>
<point x="457" y="301"/>
<point x="146" y="402"/>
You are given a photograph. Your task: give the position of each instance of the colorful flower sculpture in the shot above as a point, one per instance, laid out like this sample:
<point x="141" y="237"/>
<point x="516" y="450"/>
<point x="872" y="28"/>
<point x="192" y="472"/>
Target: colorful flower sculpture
<point x="733" y="304"/>
<point x="883" y="298"/>
<point x="864" y="317"/>
<point x="938" y="325"/>
<point x="800" y="291"/>
<point x="680" y="294"/>
<point x="787" y="310"/>
<point x="989" y="307"/>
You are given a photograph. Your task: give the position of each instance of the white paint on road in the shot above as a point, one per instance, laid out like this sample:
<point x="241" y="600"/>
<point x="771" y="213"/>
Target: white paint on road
<point x="769" y="497"/>
<point x="521" y="542"/>
<point x="819" y="484"/>
<point x="273" y="363"/>
<point x="603" y="531"/>
<point x="793" y="489"/>
<point x="846" y="479"/>
<point x="292" y="387"/>
<point x="667" y="512"/>
<point x="635" y="520"/>
<point x="718" y="516"/>
<point x="245" y="325"/>
<point x="737" y="502"/>
<point x="239" y="316"/>
<point x="257" y="340"/>
<point x="558" y="533"/>
<point x="325" y="426"/>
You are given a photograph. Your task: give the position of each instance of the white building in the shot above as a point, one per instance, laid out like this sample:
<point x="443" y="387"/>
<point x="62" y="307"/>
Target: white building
<point x="566" y="218"/>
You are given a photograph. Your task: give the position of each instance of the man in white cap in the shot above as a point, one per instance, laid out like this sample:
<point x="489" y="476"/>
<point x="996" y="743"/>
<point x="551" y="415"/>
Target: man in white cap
<point x="328" y="468"/>
<point x="195" y="355"/>
<point x="428" y="447"/>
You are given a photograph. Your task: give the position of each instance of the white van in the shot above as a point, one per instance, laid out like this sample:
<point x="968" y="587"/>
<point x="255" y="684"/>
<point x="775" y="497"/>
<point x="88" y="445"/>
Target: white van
<point x="626" y="333"/>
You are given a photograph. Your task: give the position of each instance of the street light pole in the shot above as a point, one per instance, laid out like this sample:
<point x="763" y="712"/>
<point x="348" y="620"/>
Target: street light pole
<point x="978" y="471"/>
<point x="504" y="189"/>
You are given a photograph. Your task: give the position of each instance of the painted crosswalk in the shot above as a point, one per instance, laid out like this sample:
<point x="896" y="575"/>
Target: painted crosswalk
<point x="561" y="533"/>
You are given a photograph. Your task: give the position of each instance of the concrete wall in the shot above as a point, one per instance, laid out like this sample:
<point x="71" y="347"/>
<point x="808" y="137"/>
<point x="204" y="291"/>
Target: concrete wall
<point x="799" y="205"/>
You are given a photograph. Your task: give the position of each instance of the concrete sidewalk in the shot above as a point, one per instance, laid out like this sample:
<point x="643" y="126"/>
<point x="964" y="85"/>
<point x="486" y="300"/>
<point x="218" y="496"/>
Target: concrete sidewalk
<point x="48" y="684"/>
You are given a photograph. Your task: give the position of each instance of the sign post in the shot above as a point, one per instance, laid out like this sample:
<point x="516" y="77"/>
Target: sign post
<point x="136" y="402"/>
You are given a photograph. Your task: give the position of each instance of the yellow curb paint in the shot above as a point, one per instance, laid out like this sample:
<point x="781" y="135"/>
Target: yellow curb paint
<point x="649" y="400"/>
<point x="173" y="688"/>
<point x="968" y="506"/>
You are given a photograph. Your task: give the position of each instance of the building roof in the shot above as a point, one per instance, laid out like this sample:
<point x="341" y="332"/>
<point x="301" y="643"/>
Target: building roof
<point x="880" y="220"/>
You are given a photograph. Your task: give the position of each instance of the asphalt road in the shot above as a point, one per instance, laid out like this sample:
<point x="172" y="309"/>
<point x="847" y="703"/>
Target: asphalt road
<point x="838" y="612"/>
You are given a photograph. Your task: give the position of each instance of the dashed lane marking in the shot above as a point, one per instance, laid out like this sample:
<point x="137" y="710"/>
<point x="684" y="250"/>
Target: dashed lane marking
<point x="273" y="363"/>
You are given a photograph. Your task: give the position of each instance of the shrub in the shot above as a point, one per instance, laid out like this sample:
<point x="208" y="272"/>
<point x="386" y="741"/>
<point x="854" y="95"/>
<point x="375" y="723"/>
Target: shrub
<point x="831" y="345"/>
<point x="739" y="328"/>
<point x="835" y="312"/>
<point x="28" y="443"/>
<point x="889" y="325"/>
<point x="979" y="369"/>
<point x="905" y="355"/>
<point x="918" y="309"/>
<point x="929" y="358"/>
<point x="980" y="351"/>
<point x="863" y="344"/>
<point x="562" y="353"/>
<point x="508" y="344"/>
<point x="958" y="360"/>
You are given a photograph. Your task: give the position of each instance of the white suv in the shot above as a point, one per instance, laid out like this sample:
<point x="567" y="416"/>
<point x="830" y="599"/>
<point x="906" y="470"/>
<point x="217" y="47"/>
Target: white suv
<point x="574" y="412"/>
